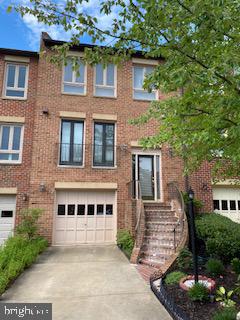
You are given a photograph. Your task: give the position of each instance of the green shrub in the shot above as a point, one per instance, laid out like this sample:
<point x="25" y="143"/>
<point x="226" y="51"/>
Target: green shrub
<point x="184" y="260"/>
<point x="174" y="277"/>
<point x="16" y="254"/>
<point x="235" y="263"/>
<point x="220" y="234"/>
<point x="198" y="292"/>
<point x="215" y="267"/>
<point x="28" y="226"/>
<point x="225" y="314"/>
<point x="125" y="241"/>
<point x="225" y="297"/>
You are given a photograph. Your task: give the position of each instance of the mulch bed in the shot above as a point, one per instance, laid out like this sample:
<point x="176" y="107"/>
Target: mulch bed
<point x="202" y="310"/>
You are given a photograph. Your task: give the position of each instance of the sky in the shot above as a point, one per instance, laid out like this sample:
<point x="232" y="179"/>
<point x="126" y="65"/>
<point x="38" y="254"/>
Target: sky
<point x="24" y="33"/>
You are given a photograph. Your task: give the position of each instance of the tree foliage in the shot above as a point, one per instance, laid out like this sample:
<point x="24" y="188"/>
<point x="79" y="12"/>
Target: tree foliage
<point x="199" y="43"/>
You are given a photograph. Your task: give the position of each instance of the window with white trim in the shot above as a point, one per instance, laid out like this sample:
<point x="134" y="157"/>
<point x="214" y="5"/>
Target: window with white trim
<point x="11" y="137"/>
<point x="105" y="80"/>
<point x="16" y="78"/>
<point x="74" y="81"/>
<point x="139" y="74"/>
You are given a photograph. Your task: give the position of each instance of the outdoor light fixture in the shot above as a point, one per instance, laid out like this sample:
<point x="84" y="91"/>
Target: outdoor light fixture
<point x="193" y="232"/>
<point x="42" y="187"/>
<point x="45" y="111"/>
<point x="25" y="197"/>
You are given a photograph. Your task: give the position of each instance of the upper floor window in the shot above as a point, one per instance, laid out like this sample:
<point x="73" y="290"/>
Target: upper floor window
<point x="16" y="77"/>
<point x="139" y="73"/>
<point x="71" y="146"/>
<point x="105" y="80"/>
<point x="74" y="81"/>
<point x="103" y="148"/>
<point x="11" y="139"/>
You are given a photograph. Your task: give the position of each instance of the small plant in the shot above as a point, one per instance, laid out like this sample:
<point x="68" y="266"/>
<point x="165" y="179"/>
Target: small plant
<point x="125" y="241"/>
<point x="224" y="297"/>
<point x="28" y="226"/>
<point x="215" y="267"/>
<point x="226" y="314"/>
<point x="174" y="277"/>
<point x="198" y="292"/>
<point x="184" y="260"/>
<point x="235" y="263"/>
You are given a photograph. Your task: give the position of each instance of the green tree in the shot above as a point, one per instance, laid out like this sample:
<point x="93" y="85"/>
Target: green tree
<point x="198" y="42"/>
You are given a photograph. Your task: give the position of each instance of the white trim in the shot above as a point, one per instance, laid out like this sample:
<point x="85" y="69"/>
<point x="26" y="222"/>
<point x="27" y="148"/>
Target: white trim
<point x="85" y="185"/>
<point x="151" y="62"/>
<point x="104" y="85"/>
<point x="104" y="117"/>
<point x="141" y="89"/>
<point x="8" y="191"/>
<point x="9" y="150"/>
<point x="72" y="115"/>
<point x="17" y="59"/>
<point x="72" y="53"/>
<point x="74" y="83"/>
<point x="15" y="88"/>
<point x="12" y="120"/>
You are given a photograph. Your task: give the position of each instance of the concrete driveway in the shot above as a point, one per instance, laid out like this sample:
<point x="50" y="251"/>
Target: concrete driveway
<point x="87" y="283"/>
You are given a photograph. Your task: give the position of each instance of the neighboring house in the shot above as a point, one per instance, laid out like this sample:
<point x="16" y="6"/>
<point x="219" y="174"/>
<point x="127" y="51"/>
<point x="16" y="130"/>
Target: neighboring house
<point x="66" y="146"/>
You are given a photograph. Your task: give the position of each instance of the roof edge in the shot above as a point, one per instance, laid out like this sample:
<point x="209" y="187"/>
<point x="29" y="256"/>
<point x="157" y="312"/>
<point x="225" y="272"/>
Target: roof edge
<point x="16" y="52"/>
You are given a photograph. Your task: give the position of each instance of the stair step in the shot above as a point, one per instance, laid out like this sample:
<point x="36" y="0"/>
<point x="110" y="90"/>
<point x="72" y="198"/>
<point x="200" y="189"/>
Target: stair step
<point x="159" y="219"/>
<point x="149" y="251"/>
<point x="159" y="259"/>
<point x="161" y="223"/>
<point x="154" y="264"/>
<point x="157" y="207"/>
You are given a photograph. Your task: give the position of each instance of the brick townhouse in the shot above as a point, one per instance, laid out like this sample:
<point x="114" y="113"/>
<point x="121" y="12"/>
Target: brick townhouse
<point x="66" y="146"/>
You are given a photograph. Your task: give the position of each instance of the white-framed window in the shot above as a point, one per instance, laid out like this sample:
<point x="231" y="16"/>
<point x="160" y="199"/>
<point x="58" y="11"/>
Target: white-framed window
<point x="74" y="81"/>
<point x="139" y="74"/>
<point x="105" y="80"/>
<point x="16" y="81"/>
<point x="11" y="141"/>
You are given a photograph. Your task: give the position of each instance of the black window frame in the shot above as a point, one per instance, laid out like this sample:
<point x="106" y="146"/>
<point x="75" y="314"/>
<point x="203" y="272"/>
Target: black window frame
<point x="104" y="162"/>
<point x="71" y="162"/>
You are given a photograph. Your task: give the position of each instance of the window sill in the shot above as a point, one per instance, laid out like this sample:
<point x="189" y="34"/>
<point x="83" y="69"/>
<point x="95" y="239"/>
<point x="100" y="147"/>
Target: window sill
<point x="70" y="166"/>
<point x="102" y="167"/>
<point x="13" y="98"/>
<point x="144" y="100"/>
<point x="105" y="97"/>
<point x="10" y="163"/>
<point x="74" y="94"/>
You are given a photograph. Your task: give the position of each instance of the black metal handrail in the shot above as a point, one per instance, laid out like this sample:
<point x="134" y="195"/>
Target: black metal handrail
<point x="178" y="206"/>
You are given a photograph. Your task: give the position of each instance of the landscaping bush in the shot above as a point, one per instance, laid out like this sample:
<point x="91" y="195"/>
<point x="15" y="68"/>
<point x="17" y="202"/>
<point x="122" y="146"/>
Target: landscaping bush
<point x="28" y="226"/>
<point x="235" y="263"/>
<point x="215" y="267"/>
<point x="125" y="241"/>
<point x="16" y="254"/>
<point x="226" y="314"/>
<point x="184" y="260"/>
<point x="174" y="277"/>
<point x="198" y="292"/>
<point x="220" y="234"/>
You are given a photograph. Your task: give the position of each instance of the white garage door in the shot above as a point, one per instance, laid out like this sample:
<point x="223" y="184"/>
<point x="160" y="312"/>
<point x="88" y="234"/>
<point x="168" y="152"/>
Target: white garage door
<point x="85" y="217"/>
<point x="7" y="214"/>
<point x="227" y="202"/>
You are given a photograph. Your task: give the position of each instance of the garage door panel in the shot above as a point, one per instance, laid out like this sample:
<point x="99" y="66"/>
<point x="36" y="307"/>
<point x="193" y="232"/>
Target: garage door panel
<point x="91" y="221"/>
<point x="7" y="216"/>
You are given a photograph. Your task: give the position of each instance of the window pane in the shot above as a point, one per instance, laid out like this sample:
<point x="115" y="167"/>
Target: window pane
<point x="65" y="143"/>
<point x="110" y="74"/>
<point x="99" y="73"/>
<point x="90" y="210"/>
<point x="216" y="205"/>
<point x="78" y="133"/>
<point x="80" y="76"/>
<point x="71" y="209"/>
<point x="11" y="75"/>
<point x="238" y="205"/>
<point x="5" y="137"/>
<point x="22" y="76"/>
<point x="224" y="205"/>
<point x="233" y="205"/>
<point x="15" y="156"/>
<point x="158" y="175"/>
<point x="67" y="88"/>
<point x="7" y="214"/>
<point x="144" y="95"/>
<point x="148" y="70"/>
<point x="109" y="209"/>
<point x="110" y="134"/>
<point x="98" y="134"/>
<point x="100" y="209"/>
<point x="68" y="71"/>
<point x="81" y="210"/>
<point x="15" y="93"/>
<point x="138" y="77"/>
<point x="61" y="210"/>
<point x="104" y="92"/>
<point x="109" y="155"/>
<point x="16" y="138"/>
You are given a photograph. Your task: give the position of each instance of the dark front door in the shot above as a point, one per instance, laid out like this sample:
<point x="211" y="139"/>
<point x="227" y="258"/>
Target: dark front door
<point x="146" y="176"/>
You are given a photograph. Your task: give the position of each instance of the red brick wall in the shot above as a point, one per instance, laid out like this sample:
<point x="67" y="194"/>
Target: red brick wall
<point x="18" y="175"/>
